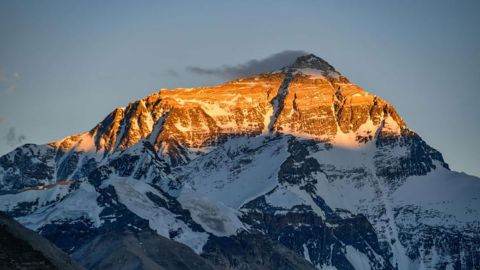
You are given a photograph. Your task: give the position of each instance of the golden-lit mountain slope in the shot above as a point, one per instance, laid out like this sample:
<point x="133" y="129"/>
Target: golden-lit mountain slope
<point x="307" y="99"/>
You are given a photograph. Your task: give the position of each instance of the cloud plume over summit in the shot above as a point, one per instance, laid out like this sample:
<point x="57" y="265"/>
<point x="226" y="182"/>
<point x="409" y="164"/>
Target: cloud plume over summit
<point x="251" y="67"/>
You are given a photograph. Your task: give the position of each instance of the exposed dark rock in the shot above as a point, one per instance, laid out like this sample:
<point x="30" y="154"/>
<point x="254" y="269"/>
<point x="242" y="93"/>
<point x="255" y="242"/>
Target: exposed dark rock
<point x="252" y="251"/>
<point x="138" y="250"/>
<point x="21" y="248"/>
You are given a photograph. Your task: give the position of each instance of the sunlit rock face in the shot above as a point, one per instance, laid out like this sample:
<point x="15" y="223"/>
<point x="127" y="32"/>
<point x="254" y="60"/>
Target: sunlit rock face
<point x="309" y="99"/>
<point x="192" y="117"/>
<point x="298" y="166"/>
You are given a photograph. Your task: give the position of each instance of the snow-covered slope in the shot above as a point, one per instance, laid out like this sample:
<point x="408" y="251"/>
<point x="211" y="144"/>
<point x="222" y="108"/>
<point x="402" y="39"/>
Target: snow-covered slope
<point x="299" y="161"/>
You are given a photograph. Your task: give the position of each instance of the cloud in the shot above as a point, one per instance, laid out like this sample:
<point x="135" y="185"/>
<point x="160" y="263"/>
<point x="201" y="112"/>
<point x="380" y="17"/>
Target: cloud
<point x="12" y="138"/>
<point x="252" y="67"/>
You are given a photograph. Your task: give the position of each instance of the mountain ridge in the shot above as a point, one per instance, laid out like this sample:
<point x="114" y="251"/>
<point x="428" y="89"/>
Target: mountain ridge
<point x="260" y="96"/>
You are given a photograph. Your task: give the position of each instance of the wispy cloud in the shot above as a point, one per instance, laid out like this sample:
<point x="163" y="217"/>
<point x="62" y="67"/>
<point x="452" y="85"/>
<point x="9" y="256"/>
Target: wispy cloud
<point x="252" y="67"/>
<point x="13" y="139"/>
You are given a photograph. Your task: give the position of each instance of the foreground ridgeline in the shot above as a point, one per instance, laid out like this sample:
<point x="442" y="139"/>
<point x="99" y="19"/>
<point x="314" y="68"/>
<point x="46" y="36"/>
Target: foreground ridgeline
<point x="294" y="169"/>
<point x="21" y="248"/>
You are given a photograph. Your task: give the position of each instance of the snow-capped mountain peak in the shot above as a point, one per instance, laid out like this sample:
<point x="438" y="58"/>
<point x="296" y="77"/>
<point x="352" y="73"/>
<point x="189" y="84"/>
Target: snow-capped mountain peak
<point x="300" y="161"/>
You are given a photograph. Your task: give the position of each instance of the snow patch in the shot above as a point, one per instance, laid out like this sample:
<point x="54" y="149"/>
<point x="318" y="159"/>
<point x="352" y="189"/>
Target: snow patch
<point x="357" y="258"/>
<point x="284" y="198"/>
<point x="391" y="126"/>
<point x="456" y="195"/>
<point x="78" y="204"/>
<point x="86" y="143"/>
<point x="132" y="194"/>
<point x="213" y="216"/>
<point x="40" y="197"/>
<point x="306" y="255"/>
<point x="242" y="169"/>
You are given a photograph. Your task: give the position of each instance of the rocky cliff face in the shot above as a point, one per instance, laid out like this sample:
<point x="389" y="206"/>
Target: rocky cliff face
<point x="302" y="99"/>
<point x="298" y="163"/>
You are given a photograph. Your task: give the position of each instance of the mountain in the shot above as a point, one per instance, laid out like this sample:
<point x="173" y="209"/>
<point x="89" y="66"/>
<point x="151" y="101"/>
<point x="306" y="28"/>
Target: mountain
<point x="294" y="169"/>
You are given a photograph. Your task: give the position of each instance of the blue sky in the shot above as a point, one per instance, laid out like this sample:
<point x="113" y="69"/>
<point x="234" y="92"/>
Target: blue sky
<point x="64" y="65"/>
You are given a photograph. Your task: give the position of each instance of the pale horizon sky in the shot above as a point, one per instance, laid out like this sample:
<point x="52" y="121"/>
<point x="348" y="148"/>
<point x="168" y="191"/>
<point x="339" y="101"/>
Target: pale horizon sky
<point x="64" y="65"/>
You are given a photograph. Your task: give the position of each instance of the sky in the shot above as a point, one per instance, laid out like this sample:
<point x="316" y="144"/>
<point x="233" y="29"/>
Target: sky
<point x="64" y="65"/>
